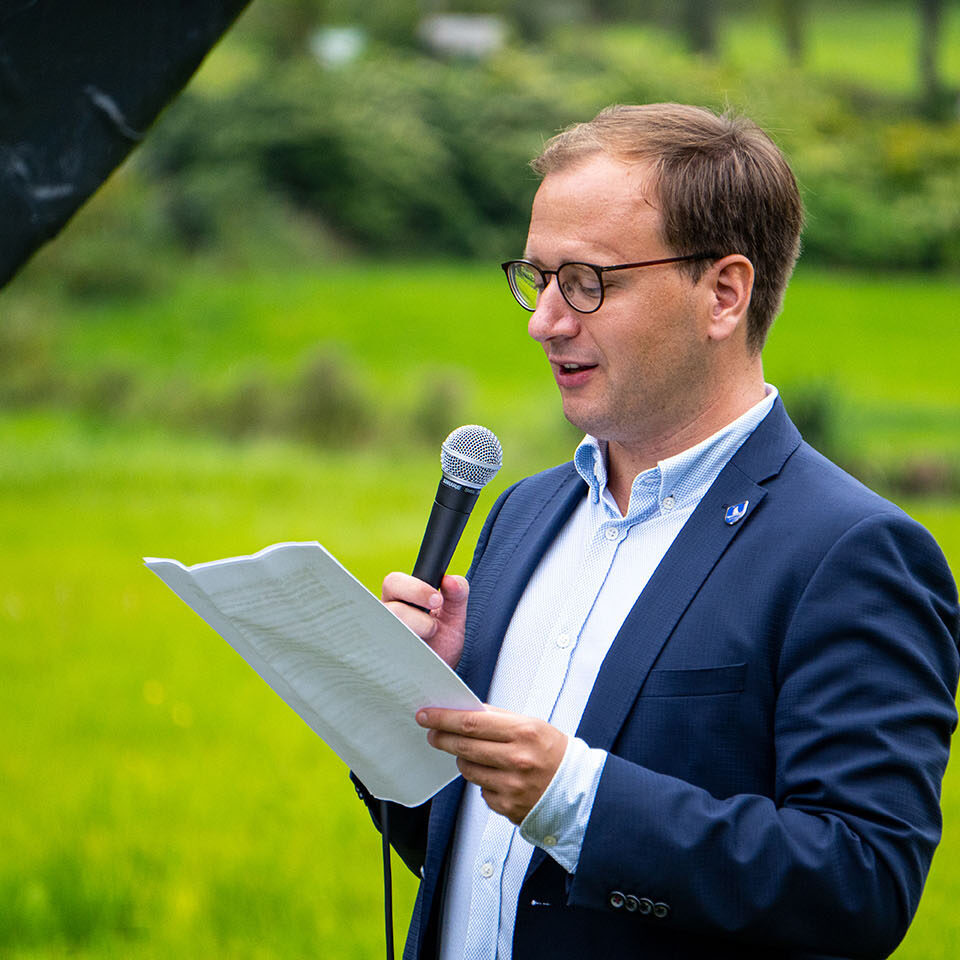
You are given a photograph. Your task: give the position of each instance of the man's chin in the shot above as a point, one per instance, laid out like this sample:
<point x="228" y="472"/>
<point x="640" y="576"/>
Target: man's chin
<point x="587" y="421"/>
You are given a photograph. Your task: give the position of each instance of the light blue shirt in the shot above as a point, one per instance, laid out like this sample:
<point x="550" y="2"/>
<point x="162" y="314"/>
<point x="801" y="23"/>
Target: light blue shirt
<point x="566" y="620"/>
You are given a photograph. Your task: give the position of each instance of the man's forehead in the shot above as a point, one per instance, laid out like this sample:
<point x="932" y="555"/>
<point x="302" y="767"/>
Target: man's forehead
<point x="596" y="202"/>
<point x="623" y="180"/>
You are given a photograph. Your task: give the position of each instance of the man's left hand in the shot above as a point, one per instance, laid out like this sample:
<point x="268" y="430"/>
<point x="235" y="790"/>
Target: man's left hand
<point x="512" y="758"/>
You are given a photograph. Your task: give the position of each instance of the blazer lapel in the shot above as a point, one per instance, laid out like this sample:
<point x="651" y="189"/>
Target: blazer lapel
<point x="688" y="562"/>
<point x="669" y="591"/>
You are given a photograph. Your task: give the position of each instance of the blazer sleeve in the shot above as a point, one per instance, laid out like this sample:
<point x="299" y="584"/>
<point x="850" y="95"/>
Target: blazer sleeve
<point x="835" y="858"/>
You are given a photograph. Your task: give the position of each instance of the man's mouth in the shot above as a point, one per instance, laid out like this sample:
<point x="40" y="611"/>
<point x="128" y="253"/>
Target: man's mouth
<point x="574" y="367"/>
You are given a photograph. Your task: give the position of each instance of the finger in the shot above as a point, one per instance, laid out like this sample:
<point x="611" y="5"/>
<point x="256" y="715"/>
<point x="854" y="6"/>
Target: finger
<point x="420" y="622"/>
<point x="498" y="793"/>
<point x="455" y="591"/>
<point x="487" y="778"/>
<point x="480" y="724"/>
<point x="486" y="753"/>
<point x="406" y="589"/>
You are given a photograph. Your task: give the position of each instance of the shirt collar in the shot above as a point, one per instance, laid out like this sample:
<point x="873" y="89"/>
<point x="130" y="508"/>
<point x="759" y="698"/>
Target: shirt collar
<point x="685" y="476"/>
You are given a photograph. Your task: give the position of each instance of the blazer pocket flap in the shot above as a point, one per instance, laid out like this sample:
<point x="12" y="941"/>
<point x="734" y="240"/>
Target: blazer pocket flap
<point x="697" y="682"/>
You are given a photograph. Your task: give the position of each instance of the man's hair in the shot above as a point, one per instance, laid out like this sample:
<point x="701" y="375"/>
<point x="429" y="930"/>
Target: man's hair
<point x="722" y="186"/>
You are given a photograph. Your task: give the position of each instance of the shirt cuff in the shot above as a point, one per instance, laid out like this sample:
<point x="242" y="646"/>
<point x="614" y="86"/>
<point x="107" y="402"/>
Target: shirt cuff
<point x="558" y="821"/>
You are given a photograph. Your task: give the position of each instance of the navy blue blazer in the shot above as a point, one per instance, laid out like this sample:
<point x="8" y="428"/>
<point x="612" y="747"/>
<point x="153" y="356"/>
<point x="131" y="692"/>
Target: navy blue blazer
<point x="778" y="707"/>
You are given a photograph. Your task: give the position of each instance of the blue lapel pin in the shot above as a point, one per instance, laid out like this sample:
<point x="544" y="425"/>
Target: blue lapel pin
<point x="736" y="512"/>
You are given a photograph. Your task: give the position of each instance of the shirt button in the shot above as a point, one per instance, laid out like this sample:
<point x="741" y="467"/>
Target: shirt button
<point x="486" y="870"/>
<point x="612" y="533"/>
<point x="668" y="503"/>
<point x="563" y="640"/>
<point x="549" y="840"/>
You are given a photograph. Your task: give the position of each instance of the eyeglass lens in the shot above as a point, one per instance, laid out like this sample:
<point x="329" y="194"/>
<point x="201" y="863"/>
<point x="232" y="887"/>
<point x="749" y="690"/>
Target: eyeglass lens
<point x="579" y="284"/>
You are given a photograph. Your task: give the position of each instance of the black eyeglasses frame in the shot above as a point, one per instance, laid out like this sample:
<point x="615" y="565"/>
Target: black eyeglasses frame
<point x="598" y="270"/>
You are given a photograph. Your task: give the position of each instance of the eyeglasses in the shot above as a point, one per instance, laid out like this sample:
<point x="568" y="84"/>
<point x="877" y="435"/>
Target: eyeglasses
<point x="581" y="284"/>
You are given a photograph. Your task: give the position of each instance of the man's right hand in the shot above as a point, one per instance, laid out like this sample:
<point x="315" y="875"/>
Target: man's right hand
<point x="442" y="628"/>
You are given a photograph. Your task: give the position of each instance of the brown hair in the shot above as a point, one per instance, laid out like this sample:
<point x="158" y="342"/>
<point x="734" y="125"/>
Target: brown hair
<point x="722" y="185"/>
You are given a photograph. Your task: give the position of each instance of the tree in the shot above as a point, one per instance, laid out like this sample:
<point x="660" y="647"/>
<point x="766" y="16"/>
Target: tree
<point x="932" y="93"/>
<point x="700" y="26"/>
<point x="793" y="15"/>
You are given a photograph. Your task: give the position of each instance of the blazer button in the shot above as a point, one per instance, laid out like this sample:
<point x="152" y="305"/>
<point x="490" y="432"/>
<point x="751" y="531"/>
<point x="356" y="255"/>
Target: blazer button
<point x="632" y="903"/>
<point x="645" y="906"/>
<point x="616" y="899"/>
<point x="661" y="910"/>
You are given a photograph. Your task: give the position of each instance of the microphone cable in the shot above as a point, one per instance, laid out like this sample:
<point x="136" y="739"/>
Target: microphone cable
<point x="387" y="879"/>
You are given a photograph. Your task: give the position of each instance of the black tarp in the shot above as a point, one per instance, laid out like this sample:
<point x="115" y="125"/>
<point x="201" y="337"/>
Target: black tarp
<point x="80" y="83"/>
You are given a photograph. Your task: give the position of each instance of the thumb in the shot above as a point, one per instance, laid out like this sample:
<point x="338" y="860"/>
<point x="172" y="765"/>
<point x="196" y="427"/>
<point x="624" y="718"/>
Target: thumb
<point x="455" y="591"/>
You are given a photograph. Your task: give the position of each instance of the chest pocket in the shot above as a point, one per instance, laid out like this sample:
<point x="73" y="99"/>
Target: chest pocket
<point x="698" y="682"/>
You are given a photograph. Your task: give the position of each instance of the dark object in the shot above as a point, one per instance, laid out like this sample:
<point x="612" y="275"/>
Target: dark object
<point x="449" y="515"/>
<point x="80" y="83"/>
<point x="387" y="880"/>
<point x="469" y="458"/>
<point x="936" y="101"/>
<point x="581" y="284"/>
<point x="699" y="23"/>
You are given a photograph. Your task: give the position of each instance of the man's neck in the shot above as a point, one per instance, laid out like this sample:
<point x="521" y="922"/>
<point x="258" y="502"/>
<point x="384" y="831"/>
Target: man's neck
<point x="627" y="459"/>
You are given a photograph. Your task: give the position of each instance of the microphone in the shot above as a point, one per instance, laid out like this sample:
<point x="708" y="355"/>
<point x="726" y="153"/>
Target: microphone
<point x="469" y="458"/>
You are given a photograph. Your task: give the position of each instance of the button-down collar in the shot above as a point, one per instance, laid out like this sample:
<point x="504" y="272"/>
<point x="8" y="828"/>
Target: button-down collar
<point x="675" y="481"/>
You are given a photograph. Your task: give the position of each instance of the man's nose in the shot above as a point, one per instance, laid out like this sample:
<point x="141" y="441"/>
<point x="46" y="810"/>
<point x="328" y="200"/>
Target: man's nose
<point x="554" y="317"/>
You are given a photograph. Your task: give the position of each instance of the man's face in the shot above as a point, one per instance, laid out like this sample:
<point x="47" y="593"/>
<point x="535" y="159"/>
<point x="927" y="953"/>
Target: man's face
<point x="635" y="370"/>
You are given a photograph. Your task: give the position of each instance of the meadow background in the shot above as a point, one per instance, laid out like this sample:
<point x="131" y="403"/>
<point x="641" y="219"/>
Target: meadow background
<point x="262" y="328"/>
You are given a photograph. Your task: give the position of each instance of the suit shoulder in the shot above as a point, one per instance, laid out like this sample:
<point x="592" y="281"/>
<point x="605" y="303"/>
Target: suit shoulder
<point x="820" y="487"/>
<point x="546" y="481"/>
<point x="833" y="507"/>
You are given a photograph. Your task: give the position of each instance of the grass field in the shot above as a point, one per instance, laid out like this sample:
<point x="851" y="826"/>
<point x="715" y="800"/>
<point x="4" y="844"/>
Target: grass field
<point x="884" y="348"/>
<point x="158" y="800"/>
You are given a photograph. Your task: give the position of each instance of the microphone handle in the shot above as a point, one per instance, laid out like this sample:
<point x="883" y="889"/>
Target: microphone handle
<point x="451" y="510"/>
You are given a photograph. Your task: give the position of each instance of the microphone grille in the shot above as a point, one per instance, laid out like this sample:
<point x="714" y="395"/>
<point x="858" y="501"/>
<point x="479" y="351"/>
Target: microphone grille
<point x="471" y="456"/>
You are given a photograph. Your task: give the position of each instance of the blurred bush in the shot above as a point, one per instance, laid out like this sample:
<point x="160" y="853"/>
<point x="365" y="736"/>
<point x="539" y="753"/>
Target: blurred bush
<point x="400" y="154"/>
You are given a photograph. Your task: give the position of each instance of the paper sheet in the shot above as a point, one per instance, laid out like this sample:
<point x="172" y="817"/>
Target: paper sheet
<point x="333" y="653"/>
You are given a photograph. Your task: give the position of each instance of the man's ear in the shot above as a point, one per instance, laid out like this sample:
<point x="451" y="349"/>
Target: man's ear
<point x="731" y="284"/>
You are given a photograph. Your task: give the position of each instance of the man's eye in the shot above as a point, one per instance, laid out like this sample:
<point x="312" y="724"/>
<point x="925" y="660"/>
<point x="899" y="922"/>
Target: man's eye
<point x="581" y="281"/>
<point x="584" y="285"/>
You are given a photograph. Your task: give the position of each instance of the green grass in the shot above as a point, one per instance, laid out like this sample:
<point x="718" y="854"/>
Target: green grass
<point x="867" y="331"/>
<point x="884" y="347"/>
<point x="158" y="800"/>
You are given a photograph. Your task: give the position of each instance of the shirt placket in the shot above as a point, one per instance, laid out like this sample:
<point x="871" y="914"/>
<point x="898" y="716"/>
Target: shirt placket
<point x="496" y="870"/>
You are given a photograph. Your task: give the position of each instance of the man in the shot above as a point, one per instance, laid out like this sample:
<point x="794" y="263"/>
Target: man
<point x="721" y="673"/>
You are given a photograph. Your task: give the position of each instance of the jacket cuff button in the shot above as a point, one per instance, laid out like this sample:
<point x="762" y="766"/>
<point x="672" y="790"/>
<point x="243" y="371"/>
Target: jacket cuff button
<point x="645" y="906"/>
<point x="616" y="899"/>
<point x="632" y="904"/>
<point x="661" y="910"/>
